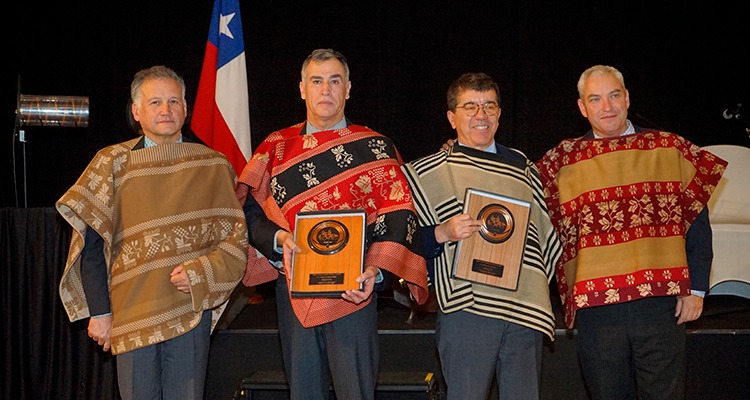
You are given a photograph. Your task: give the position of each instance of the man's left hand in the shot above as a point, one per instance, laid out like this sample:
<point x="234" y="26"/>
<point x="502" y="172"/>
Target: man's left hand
<point x="179" y="279"/>
<point x="368" y="278"/>
<point x="689" y="308"/>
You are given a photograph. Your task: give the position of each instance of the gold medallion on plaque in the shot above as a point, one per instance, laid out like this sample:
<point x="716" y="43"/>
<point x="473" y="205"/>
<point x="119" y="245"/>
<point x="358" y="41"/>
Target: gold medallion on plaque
<point x="328" y="237"/>
<point x="497" y="223"/>
<point x="331" y="255"/>
<point x="494" y="256"/>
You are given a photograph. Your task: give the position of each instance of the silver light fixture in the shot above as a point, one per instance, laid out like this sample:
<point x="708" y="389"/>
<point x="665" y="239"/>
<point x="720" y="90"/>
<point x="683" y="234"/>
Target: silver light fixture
<point x="45" y="111"/>
<point x="59" y="111"/>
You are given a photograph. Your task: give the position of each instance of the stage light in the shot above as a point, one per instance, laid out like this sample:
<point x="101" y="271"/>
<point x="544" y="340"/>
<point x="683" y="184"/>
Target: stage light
<point x="45" y="111"/>
<point x="53" y="111"/>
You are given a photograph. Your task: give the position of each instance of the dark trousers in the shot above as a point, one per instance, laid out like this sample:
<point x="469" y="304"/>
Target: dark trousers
<point x="174" y="369"/>
<point x="473" y="349"/>
<point x="347" y="347"/>
<point x="632" y="350"/>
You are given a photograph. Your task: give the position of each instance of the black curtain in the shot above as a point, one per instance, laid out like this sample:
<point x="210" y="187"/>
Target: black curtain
<point x="45" y="355"/>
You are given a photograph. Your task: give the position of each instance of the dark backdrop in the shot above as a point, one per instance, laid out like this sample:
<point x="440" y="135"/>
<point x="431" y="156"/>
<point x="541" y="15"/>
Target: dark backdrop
<point x="684" y="65"/>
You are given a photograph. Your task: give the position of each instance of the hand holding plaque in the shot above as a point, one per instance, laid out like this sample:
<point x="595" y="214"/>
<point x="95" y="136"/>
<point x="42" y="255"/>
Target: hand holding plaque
<point x="494" y="255"/>
<point x="332" y="255"/>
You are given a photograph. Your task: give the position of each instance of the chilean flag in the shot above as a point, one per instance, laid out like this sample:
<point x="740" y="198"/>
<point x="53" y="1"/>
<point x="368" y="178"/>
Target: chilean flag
<point x="221" y="116"/>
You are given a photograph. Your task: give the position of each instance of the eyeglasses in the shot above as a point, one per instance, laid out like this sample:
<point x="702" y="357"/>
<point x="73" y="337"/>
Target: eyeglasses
<point x="471" y="109"/>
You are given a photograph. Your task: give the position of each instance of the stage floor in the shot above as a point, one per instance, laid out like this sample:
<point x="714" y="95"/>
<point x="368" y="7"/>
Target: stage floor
<point x="721" y="313"/>
<point x="246" y="341"/>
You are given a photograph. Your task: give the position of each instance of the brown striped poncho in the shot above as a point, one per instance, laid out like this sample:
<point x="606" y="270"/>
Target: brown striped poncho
<point x="439" y="182"/>
<point x="156" y="209"/>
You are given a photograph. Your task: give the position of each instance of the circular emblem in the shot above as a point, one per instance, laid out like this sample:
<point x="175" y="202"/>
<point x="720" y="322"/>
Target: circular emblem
<point x="328" y="237"/>
<point x="497" y="223"/>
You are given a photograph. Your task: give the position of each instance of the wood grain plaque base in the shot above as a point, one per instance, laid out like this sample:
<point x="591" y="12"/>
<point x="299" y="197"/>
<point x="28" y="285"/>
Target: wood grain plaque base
<point x="493" y="256"/>
<point x="332" y="256"/>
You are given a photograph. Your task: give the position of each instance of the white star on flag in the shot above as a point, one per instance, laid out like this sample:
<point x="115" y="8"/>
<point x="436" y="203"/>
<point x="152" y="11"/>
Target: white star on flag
<point x="225" y="20"/>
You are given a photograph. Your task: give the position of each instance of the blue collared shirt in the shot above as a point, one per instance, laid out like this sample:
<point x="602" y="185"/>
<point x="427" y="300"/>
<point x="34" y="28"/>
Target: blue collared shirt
<point x="150" y="143"/>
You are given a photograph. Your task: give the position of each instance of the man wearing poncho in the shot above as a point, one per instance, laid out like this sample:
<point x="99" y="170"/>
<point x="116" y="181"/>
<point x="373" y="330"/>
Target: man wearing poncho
<point x="484" y="331"/>
<point x="328" y="163"/>
<point x="159" y="243"/>
<point x="629" y="205"/>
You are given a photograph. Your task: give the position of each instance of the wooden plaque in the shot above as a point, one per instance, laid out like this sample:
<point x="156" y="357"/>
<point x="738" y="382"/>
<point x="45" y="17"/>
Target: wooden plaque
<point x="493" y="256"/>
<point x="332" y="256"/>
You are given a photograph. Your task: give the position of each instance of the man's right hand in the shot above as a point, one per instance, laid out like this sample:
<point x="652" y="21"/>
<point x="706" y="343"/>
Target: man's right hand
<point x="100" y="329"/>
<point x="459" y="227"/>
<point x="447" y="145"/>
<point x="286" y="241"/>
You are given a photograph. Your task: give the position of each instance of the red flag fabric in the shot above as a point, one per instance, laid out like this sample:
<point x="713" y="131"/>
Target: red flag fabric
<point x="221" y="116"/>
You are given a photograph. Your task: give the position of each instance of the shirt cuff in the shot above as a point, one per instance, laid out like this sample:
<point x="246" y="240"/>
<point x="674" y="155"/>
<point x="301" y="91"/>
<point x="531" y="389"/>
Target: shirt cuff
<point x="379" y="278"/>
<point x="101" y="315"/>
<point x="276" y="248"/>
<point x="699" y="293"/>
